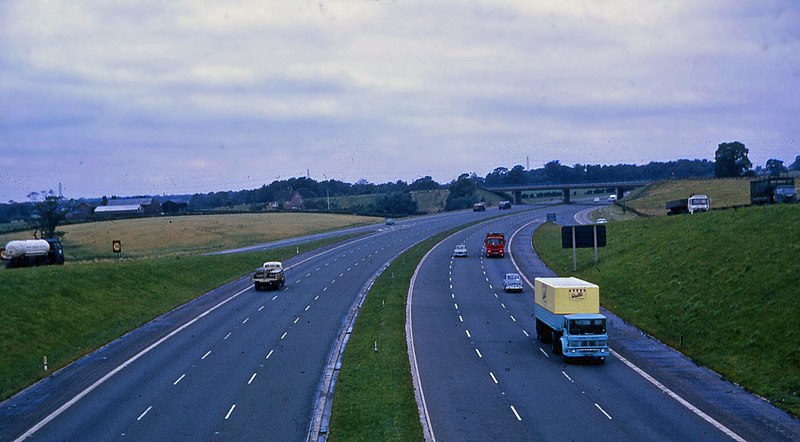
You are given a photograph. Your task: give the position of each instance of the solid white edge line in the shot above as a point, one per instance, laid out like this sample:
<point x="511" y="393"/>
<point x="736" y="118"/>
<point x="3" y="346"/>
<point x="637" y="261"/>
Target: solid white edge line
<point x="119" y="368"/>
<point x="680" y="400"/>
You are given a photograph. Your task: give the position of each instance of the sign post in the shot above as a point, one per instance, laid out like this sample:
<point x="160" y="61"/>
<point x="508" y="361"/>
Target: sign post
<point x="583" y="236"/>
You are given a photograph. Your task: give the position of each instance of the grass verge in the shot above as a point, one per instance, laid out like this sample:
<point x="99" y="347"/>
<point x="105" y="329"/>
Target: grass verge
<point x="65" y="312"/>
<point x="719" y="286"/>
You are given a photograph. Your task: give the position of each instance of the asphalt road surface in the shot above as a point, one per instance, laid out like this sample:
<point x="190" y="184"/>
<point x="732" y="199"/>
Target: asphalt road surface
<point x="482" y="375"/>
<point x="234" y="364"/>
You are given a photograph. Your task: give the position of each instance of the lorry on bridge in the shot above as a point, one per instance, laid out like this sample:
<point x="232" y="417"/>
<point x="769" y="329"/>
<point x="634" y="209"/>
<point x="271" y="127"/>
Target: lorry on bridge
<point x="567" y="315"/>
<point x="494" y="244"/>
<point x="773" y="190"/>
<point x="695" y="203"/>
<point x="32" y="252"/>
<point x="270" y="275"/>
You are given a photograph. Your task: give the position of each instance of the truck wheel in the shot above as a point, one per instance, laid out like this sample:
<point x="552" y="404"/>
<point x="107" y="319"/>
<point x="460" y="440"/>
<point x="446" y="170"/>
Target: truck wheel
<point x="258" y="286"/>
<point x="556" y="345"/>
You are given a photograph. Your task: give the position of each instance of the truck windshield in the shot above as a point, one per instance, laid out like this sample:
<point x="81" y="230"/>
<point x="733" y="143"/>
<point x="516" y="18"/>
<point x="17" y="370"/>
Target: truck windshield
<point x="494" y="242"/>
<point x="587" y="326"/>
<point x="698" y="201"/>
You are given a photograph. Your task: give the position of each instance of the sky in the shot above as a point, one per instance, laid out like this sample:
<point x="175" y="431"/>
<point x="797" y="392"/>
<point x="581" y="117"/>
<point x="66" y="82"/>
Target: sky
<point x="154" y="97"/>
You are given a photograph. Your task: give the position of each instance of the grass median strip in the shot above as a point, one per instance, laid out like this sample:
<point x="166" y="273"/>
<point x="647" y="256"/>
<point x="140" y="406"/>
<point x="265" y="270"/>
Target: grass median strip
<point x="65" y="312"/>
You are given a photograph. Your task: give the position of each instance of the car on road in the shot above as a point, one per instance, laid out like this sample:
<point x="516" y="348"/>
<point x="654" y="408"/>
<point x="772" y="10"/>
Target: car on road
<point x="596" y="200"/>
<point x="512" y="282"/>
<point x="601" y="221"/>
<point x="389" y="222"/>
<point x="460" y="250"/>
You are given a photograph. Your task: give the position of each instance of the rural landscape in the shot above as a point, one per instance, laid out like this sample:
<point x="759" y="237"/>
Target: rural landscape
<point x="323" y="221"/>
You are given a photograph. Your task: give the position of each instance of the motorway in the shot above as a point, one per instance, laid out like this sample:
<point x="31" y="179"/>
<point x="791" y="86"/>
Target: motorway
<point x="236" y="363"/>
<point x="482" y="375"/>
<point x="233" y="364"/>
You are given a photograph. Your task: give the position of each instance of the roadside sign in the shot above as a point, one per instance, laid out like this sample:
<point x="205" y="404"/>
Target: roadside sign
<point x="116" y="246"/>
<point x="584" y="236"/>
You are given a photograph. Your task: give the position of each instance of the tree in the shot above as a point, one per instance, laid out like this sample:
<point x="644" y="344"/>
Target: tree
<point x="51" y="210"/>
<point x="775" y="167"/>
<point x="731" y="160"/>
<point x="796" y="164"/>
<point x="462" y="193"/>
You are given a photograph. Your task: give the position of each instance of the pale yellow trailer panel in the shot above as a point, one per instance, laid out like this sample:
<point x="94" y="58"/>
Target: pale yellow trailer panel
<point x="564" y="296"/>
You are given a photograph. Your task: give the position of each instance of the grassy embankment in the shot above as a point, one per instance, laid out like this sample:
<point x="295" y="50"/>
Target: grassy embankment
<point x="719" y="286"/>
<point x="65" y="312"/>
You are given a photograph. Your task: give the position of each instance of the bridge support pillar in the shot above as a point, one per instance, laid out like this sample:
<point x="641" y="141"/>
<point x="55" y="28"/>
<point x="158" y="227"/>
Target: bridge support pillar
<point x="517" y="197"/>
<point x="565" y="198"/>
<point x="620" y="193"/>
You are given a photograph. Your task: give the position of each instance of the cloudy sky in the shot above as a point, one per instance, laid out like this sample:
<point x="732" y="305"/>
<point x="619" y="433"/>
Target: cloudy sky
<point x="166" y="96"/>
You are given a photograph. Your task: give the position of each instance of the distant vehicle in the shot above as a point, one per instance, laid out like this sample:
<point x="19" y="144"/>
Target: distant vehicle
<point x="495" y="244"/>
<point x="270" y="275"/>
<point x="504" y="205"/>
<point x="389" y="222"/>
<point x="32" y="252"/>
<point x="596" y="199"/>
<point x="460" y="251"/>
<point x="695" y="203"/>
<point x="512" y="282"/>
<point x="612" y="198"/>
<point x="601" y="221"/>
<point x="479" y="207"/>
<point x="773" y="190"/>
<point x="567" y="314"/>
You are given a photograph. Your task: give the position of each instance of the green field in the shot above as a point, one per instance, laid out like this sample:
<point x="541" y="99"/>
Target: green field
<point x="719" y="286"/>
<point x="722" y="193"/>
<point x="181" y="235"/>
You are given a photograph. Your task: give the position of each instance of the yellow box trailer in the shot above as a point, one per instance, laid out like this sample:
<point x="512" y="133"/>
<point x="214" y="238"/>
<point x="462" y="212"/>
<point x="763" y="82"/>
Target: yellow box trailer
<point x="565" y="296"/>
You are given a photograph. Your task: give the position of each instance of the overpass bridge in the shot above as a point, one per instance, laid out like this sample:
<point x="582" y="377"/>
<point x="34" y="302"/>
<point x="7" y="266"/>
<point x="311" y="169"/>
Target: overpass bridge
<point x="620" y="187"/>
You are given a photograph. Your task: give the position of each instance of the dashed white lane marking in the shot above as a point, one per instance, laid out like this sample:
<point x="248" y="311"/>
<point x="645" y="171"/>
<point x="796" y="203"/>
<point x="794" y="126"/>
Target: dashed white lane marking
<point x="145" y="412"/>
<point x="544" y="352"/>
<point x="308" y="274"/>
<point x="502" y="305"/>
<point x="468" y="335"/>
<point x="261" y="308"/>
<point x="325" y="289"/>
<point x="456" y="305"/>
<point x="602" y="411"/>
<point x="206" y="355"/>
<point x="295" y="321"/>
<point x="245" y="320"/>
<point x="460" y="318"/>
<point x="226" y="336"/>
<point x="493" y="378"/>
<point x="316" y="297"/>
<point x="179" y="379"/>
<point x="513" y="319"/>
<point x="515" y="413"/>
<point x="230" y="411"/>
<point x="526" y="333"/>
<point x="479" y="353"/>
<point x="567" y="376"/>
<point x="270" y="354"/>
<point x="275" y="297"/>
<point x="284" y="335"/>
<point x="251" y="379"/>
<point x="495" y="295"/>
<point x="308" y="307"/>
<point x="297" y="282"/>
<point x="453" y="295"/>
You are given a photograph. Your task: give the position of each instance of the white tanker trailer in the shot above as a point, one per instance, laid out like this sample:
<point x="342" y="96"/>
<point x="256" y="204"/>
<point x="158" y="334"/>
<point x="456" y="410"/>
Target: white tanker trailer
<point x="32" y="252"/>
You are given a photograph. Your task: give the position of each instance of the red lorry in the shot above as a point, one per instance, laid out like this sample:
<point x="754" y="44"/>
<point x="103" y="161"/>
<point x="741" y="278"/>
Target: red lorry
<point x="495" y="244"/>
